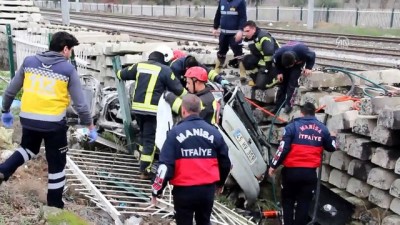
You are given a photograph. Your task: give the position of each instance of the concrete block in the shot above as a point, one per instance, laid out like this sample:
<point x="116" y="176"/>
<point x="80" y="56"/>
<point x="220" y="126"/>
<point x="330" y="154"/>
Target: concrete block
<point x="265" y="96"/>
<point x="131" y="59"/>
<point x="320" y="79"/>
<point x="326" y="171"/>
<point x="277" y="133"/>
<point x="381" y="178"/>
<point x="380" y="198"/>
<point x="380" y="103"/>
<point x="360" y="206"/>
<point x="359" y="169"/>
<point x="395" y="188"/>
<point x="342" y="193"/>
<point x="366" y="107"/>
<point x="343" y="140"/>
<point x="342" y="121"/>
<point x="340" y="160"/>
<point x="315" y="96"/>
<point x="395" y="206"/>
<point x="391" y="220"/>
<point x="364" y="125"/>
<point x="338" y="178"/>
<point x="358" y="188"/>
<point x="385" y="157"/>
<point x="326" y="157"/>
<point x="389" y="76"/>
<point x="385" y="136"/>
<point x="334" y="108"/>
<point x="397" y="167"/>
<point x="361" y="148"/>
<point x="389" y="118"/>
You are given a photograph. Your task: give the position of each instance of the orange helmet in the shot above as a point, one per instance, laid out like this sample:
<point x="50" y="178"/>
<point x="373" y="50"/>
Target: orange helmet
<point x="197" y="72"/>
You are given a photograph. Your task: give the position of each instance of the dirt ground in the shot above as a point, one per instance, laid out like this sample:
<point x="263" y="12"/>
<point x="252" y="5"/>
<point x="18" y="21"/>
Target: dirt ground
<point x="23" y="196"/>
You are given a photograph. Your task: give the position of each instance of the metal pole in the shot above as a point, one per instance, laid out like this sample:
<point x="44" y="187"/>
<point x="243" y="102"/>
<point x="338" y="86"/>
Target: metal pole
<point x="65" y="12"/>
<point x="310" y="15"/>
<point x="10" y="51"/>
<point x="392" y="18"/>
<point x="77" y="6"/>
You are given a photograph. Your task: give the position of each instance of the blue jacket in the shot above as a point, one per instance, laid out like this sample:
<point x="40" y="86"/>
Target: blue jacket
<point x="302" y="52"/>
<point x="231" y="16"/>
<point x="302" y="144"/>
<point x="193" y="154"/>
<point x="179" y="70"/>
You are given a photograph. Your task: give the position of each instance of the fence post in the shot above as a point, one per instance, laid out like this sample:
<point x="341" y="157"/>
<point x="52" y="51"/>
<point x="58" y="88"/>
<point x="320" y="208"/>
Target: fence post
<point x="327" y="15"/>
<point x="357" y="16"/>
<point x="301" y="13"/>
<point x="163" y="9"/>
<point x="10" y="51"/>
<point x="204" y="11"/>
<point x="124" y="105"/>
<point x="256" y="12"/>
<point x="152" y="13"/>
<point x="122" y="5"/>
<point x="176" y="10"/>
<point x="277" y="13"/>
<point x="392" y="18"/>
<point x="141" y="9"/>
<point x="189" y="11"/>
<point x="131" y="9"/>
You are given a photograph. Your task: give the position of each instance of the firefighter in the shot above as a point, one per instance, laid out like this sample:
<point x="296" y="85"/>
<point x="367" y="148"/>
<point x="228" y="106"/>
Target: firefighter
<point x="194" y="159"/>
<point x="48" y="81"/>
<point x="196" y="78"/>
<point x="291" y="61"/>
<point x="262" y="47"/>
<point x="152" y="77"/>
<point x="230" y="17"/>
<point x="180" y="65"/>
<point x="300" y="154"/>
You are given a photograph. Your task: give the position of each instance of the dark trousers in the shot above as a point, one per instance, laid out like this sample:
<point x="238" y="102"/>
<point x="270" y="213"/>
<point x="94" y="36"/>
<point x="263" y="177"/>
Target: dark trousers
<point x="288" y="86"/>
<point x="226" y="40"/>
<point x="262" y="78"/>
<point x="147" y="125"/>
<point x="298" y="186"/>
<point x="197" y="200"/>
<point x="56" y="151"/>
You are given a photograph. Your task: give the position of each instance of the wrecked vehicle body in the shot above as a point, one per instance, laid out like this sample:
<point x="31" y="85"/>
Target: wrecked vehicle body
<point x="247" y="150"/>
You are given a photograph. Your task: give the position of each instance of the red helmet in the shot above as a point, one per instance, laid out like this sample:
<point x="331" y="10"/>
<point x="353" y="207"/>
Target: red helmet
<point x="197" y="72"/>
<point x="178" y="54"/>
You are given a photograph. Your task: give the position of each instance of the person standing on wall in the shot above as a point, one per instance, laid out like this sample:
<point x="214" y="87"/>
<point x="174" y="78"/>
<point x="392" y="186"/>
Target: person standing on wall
<point x="230" y="18"/>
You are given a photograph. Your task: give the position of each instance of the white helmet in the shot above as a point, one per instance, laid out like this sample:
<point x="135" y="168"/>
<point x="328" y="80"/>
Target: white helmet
<point x="166" y="51"/>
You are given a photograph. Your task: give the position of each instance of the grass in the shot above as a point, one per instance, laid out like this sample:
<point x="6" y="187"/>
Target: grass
<point x="336" y="28"/>
<point x="66" y="217"/>
<point x="365" y="31"/>
<point x="4" y="84"/>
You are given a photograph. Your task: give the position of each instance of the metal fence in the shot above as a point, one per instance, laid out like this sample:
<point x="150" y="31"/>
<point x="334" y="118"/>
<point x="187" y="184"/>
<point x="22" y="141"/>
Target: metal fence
<point x="27" y="43"/>
<point x="351" y="17"/>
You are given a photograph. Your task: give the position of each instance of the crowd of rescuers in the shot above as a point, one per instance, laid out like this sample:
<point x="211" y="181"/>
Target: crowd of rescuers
<point x="165" y="71"/>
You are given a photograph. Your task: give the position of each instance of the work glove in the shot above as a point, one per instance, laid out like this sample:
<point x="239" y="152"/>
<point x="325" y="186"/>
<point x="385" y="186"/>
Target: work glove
<point x="92" y="135"/>
<point x="224" y="82"/>
<point x="170" y="97"/>
<point x="7" y="119"/>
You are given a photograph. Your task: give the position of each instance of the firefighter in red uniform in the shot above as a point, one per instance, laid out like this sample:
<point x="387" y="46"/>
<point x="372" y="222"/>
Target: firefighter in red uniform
<point x="194" y="159"/>
<point x="300" y="153"/>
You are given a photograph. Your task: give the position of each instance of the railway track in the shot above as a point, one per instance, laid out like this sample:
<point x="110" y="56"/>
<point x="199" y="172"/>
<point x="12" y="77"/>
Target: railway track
<point x="173" y="31"/>
<point x="187" y="21"/>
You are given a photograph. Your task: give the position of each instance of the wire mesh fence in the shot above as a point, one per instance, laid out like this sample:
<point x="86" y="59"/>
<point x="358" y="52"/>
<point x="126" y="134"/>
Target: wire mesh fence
<point x="351" y="17"/>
